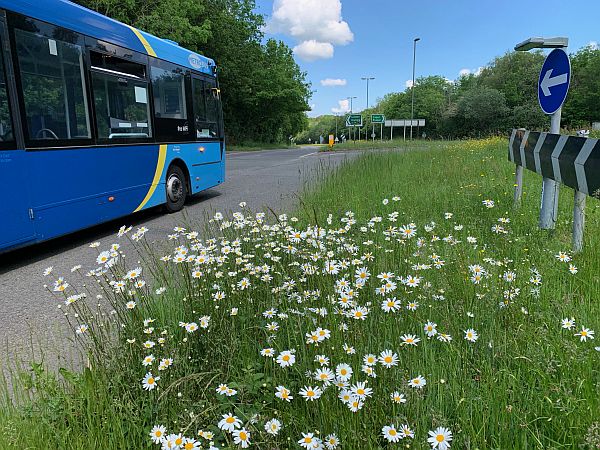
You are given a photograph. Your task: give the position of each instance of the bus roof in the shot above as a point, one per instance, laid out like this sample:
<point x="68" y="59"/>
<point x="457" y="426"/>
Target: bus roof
<point x="74" y="17"/>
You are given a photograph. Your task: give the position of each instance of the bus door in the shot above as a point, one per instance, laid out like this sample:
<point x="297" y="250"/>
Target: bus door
<point x="16" y="221"/>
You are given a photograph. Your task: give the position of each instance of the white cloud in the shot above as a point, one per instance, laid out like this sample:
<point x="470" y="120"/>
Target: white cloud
<point x="343" y="107"/>
<point x="333" y="82"/>
<point x="408" y="83"/>
<point x="593" y="45"/>
<point x="315" y="24"/>
<point x="313" y="50"/>
<point x="464" y="72"/>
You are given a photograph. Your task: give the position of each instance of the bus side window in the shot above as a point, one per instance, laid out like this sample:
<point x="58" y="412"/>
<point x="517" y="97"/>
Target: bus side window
<point x="6" y="131"/>
<point x="53" y="88"/>
<point x="120" y="98"/>
<point x="206" y="110"/>
<point x="170" y="103"/>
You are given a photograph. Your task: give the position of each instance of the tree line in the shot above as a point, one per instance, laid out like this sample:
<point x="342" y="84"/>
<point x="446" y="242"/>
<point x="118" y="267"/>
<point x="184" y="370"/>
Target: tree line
<point x="265" y="94"/>
<point x="502" y="96"/>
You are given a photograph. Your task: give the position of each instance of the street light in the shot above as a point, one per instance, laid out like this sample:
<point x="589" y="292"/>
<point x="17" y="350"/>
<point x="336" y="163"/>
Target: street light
<point x="550" y="188"/>
<point x="412" y="88"/>
<point x="367" y="79"/>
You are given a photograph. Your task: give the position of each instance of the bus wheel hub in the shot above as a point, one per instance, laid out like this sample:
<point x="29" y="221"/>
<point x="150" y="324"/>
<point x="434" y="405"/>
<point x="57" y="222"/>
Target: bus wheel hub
<point x="174" y="188"/>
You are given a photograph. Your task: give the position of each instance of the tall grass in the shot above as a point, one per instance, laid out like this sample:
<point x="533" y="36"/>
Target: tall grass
<point x="525" y="383"/>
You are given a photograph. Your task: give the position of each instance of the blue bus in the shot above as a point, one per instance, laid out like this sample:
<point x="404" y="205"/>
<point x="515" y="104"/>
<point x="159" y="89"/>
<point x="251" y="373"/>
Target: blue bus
<point x="98" y="120"/>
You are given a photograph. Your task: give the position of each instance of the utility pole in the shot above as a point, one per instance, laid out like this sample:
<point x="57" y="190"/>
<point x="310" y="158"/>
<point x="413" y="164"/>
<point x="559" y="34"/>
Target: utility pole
<point x="412" y="88"/>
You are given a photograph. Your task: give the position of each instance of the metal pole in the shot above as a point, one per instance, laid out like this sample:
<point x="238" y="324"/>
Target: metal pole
<point x="518" y="186"/>
<point x="578" y="221"/>
<point x="550" y="188"/>
<point x="381" y="132"/>
<point x="412" y="88"/>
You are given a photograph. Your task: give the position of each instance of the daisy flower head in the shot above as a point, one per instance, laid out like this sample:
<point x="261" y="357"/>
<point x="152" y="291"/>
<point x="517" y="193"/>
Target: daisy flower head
<point x="563" y="257"/>
<point x="309" y="441"/>
<point x="430" y="329"/>
<point x="397" y="397"/>
<point x="440" y="438"/>
<point x="272" y="427"/>
<point x="343" y="372"/>
<point x="471" y="335"/>
<point x="149" y="382"/>
<point x="332" y="442"/>
<point x="286" y="358"/>
<point x="241" y="437"/>
<point x="387" y="359"/>
<point x="310" y="393"/>
<point x="410" y="339"/>
<point x="229" y="423"/>
<point x="391" y="434"/>
<point x="567" y="323"/>
<point x="157" y="433"/>
<point x="283" y="393"/>
<point x="418" y="382"/>
<point x="585" y="334"/>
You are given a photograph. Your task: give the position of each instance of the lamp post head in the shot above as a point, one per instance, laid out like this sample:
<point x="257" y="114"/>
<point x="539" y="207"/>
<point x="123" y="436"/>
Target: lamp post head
<point x="540" y="42"/>
<point x="417" y="40"/>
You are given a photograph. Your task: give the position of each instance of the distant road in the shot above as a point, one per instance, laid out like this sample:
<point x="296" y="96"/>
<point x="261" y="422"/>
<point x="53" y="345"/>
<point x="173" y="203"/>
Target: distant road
<point x="264" y="178"/>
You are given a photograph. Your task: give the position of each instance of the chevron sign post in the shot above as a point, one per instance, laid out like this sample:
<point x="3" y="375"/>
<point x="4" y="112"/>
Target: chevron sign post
<point x="569" y="160"/>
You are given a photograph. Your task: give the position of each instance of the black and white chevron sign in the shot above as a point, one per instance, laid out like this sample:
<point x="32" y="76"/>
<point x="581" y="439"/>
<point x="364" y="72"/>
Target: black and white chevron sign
<point x="570" y="160"/>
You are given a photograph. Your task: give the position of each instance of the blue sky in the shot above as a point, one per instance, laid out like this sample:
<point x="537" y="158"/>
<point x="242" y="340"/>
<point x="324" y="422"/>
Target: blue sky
<point x="374" y="38"/>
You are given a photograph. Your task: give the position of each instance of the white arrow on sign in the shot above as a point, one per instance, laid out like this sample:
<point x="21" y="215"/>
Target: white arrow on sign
<point x="550" y="81"/>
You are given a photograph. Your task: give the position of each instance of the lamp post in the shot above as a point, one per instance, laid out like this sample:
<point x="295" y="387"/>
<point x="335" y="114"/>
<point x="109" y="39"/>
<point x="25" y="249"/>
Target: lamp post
<point x="412" y="88"/>
<point x="550" y="188"/>
<point x="367" y="79"/>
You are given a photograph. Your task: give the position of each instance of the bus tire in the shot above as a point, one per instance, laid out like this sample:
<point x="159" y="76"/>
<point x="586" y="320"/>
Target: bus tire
<point x="176" y="189"/>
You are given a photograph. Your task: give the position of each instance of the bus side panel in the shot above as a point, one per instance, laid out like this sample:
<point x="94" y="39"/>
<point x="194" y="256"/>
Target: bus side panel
<point x="16" y="226"/>
<point x="76" y="188"/>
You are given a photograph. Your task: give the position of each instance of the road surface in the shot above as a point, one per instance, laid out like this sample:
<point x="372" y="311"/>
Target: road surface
<point x="30" y="321"/>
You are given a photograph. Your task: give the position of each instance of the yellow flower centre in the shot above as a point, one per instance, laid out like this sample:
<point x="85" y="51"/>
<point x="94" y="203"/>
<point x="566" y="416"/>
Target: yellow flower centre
<point x="360" y="391"/>
<point x="584" y="333"/>
<point x="343" y="371"/>
<point x="358" y="314"/>
<point x="388" y="359"/>
<point x="393" y="432"/>
<point x="243" y="436"/>
<point x="158" y="433"/>
<point x="178" y="441"/>
<point x="230" y="420"/>
<point x="439" y="438"/>
<point x="188" y="446"/>
<point x="286" y="358"/>
<point x="310" y="394"/>
<point x="150" y="380"/>
<point x="307" y="440"/>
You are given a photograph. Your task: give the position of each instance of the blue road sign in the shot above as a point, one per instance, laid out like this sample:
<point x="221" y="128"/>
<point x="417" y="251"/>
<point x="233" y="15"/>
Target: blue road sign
<point x="554" y="81"/>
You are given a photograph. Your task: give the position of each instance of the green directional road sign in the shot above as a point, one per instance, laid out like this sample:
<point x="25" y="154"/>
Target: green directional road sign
<point x="354" y="120"/>
<point x="377" y="118"/>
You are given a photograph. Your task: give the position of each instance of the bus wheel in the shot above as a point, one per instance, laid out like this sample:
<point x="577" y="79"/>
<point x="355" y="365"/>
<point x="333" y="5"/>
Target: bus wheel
<point x="176" y="187"/>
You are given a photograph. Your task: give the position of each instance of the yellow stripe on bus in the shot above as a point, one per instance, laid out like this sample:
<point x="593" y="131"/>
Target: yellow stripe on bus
<point x="143" y="40"/>
<point x="160" y="165"/>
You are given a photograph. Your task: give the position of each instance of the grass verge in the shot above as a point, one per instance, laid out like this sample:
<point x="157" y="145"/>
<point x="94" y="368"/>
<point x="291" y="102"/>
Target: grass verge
<point x="393" y="257"/>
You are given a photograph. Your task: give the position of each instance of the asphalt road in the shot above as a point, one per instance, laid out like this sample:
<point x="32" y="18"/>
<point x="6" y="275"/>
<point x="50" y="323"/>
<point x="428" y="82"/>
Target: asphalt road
<point x="31" y="325"/>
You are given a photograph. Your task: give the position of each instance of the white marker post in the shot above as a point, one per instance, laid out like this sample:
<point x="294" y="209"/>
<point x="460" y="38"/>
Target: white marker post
<point x="550" y="188"/>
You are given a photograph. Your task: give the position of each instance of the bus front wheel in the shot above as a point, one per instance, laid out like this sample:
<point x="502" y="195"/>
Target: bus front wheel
<point x="176" y="187"/>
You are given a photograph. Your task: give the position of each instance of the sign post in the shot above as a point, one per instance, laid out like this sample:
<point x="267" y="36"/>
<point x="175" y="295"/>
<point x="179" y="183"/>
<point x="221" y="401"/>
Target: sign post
<point x="354" y="120"/>
<point x="553" y="85"/>
<point x="377" y="119"/>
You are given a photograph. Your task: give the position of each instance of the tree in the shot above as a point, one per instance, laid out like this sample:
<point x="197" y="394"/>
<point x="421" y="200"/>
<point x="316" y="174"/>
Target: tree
<point x="482" y="110"/>
<point x="583" y="102"/>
